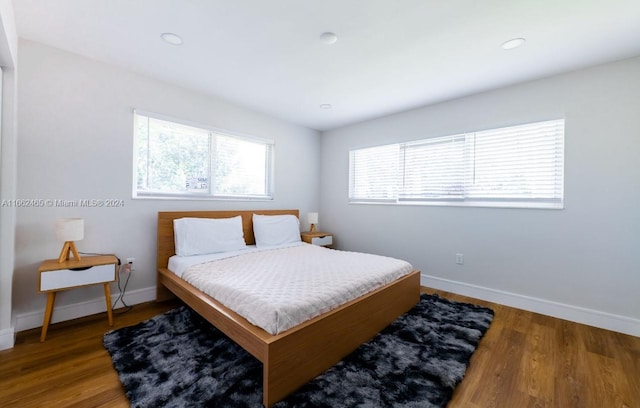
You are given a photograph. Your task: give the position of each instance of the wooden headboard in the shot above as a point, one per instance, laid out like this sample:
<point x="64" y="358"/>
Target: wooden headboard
<point x="166" y="243"/>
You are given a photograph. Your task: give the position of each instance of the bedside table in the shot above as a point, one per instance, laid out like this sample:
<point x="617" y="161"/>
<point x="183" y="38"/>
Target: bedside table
<point x="90" y="270"/>
<point x="317" y="238"/>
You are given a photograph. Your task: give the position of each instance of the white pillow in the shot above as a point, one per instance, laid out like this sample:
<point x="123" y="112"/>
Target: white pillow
<point x="272" y="230"/>
<point x="198" y="236"/>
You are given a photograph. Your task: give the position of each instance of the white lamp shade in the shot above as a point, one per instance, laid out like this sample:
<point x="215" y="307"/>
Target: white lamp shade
<point x="313" y="218"/>
<point x="70" y="229"/>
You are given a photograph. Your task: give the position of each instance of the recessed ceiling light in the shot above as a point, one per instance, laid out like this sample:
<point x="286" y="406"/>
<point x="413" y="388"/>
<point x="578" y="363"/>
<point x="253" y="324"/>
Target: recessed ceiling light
<point x="325" y="106"/>
<point x="511" y="44"/>
<point x="328" y="38"/>
<point x="171" y="38"/>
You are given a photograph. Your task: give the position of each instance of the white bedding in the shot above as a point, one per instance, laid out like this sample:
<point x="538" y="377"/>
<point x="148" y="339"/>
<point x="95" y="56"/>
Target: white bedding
<point x="279" y="288"/>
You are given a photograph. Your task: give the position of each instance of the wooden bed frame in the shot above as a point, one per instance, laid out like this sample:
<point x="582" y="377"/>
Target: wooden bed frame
<point x="292" y="358"/>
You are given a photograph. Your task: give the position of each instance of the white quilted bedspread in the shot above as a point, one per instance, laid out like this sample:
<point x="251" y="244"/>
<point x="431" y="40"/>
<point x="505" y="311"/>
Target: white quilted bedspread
<point x="278" y="289"/>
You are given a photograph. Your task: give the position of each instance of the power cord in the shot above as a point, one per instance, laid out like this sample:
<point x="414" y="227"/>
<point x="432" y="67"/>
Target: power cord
<point x="96" y="254"/>
<point x="122" y="289"/>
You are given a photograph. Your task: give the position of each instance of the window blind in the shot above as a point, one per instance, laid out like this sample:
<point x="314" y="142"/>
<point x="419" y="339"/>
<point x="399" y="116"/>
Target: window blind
<point x="519" y="166"/>
<point x="373" y="173"/>
<point x="518" y="163"/>
<point x="433" y="169"/>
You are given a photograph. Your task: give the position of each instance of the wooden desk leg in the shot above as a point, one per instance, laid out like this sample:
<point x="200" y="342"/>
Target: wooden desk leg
<point x="107" y="296"/>
<point x="51" y="299"/>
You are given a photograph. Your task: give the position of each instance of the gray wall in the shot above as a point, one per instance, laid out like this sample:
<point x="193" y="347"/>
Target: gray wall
<point x="75" y="142"/>
<point x="583" y="257"/>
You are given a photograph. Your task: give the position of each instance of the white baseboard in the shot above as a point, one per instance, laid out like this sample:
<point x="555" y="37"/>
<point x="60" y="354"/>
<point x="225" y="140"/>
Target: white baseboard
<point x="7" y="338"/>
<point x="32" y="320"/>
<point x="608" y="321"/>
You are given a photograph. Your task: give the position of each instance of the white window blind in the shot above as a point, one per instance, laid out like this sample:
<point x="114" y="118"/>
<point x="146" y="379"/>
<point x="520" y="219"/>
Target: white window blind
<point x="433" y="169"/>
<point x="520" y="166"/>
<point x="174" y="159"/>
<point x="373" y="173"/>
<point x="518" y="163"/>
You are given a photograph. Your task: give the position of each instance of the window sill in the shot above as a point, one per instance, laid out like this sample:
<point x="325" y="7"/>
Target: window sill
<point x="179" y="197"/>
<point x="477" y="204"/>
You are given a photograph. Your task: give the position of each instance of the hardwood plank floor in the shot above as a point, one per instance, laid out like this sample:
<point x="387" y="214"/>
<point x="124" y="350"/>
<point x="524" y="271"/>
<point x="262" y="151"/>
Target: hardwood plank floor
<point x="524" y="360"/>
<point x="71" y="368"/>
<point x="530" y="360"/>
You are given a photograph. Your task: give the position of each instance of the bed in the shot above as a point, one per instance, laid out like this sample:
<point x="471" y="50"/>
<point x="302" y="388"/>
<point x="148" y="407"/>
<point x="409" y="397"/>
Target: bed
<point x="297" y="355"/>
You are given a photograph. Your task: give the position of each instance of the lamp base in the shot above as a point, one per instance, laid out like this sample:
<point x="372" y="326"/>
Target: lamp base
<point x="312" y="228"/>
<point x="69" y="246"/>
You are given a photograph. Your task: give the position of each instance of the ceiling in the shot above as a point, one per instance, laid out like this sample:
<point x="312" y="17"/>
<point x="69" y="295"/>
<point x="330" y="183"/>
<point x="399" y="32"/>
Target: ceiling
<point x="390" y="56"/>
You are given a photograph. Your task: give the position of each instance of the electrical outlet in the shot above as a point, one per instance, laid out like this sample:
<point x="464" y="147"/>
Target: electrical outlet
<point x="131" y="265"/>
<point x="460" y="259"/>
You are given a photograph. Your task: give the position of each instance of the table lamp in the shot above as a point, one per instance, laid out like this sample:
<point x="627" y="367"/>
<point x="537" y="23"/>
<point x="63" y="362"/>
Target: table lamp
<point x="69" y="230"/>
<point x="313" y="220"/>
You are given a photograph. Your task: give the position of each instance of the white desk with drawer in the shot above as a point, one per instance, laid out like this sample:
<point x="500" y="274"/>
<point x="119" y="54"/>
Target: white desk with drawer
<point x="90" y="270"/>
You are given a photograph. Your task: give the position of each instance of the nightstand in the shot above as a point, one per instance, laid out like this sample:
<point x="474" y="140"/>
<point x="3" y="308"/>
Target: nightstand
<point x="317" y="238"/>
<point x="90" y="270"/>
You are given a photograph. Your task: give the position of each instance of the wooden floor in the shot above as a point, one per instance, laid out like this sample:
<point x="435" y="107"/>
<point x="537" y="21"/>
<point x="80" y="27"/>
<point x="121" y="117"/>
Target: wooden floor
<point x="524" y="360"/>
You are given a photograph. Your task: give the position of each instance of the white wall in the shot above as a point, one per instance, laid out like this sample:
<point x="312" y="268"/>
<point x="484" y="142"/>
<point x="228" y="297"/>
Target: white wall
<point x="75" y="142"/>
<point x="8" y="165"/>
<point x="581" y="263"/>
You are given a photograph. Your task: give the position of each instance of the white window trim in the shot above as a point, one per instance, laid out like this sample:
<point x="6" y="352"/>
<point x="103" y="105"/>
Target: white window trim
<point x="198" y="196"/>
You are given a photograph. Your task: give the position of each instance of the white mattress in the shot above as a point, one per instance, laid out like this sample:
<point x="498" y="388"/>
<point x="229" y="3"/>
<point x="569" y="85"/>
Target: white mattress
<point x="279" y="288"/>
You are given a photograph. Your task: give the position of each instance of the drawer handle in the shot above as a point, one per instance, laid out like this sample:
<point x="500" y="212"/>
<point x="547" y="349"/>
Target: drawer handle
<point x="83" y="268"/>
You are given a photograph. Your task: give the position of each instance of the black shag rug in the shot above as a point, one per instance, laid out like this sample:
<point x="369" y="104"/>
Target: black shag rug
<point x="178" y="359"/>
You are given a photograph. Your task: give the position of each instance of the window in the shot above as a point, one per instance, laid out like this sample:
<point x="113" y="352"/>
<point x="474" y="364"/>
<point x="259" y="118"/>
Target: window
<point x="373" y="174"/>
<point x="174" y="159"/>
<point x="517" y="166"/>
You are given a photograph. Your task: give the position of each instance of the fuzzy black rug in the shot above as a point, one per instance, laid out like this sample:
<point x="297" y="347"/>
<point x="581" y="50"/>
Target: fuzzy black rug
<point x="178" y="359"/>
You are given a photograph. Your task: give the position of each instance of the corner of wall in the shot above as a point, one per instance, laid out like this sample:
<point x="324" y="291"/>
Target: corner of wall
<point x="8" y="168"/>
